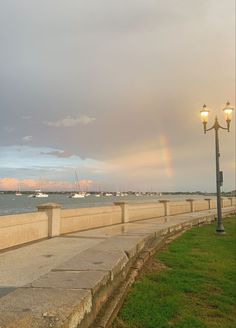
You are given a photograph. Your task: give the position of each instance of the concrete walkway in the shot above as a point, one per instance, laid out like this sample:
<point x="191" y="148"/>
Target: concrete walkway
<point x="65" y="281"/>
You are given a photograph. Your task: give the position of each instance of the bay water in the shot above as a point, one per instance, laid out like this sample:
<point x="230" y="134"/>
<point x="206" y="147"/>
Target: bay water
<point x="12" y="204"/>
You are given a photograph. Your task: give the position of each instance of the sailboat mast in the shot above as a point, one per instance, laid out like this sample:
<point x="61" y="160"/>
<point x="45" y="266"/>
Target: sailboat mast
<point x="77" y="180"/>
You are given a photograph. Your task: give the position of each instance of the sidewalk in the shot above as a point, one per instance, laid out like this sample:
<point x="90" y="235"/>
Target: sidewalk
<point x="65" y="281"/>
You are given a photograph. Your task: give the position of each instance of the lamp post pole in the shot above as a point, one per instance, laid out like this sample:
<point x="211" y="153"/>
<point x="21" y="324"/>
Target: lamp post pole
<point x="219" y="175"/>
<point x="220" y="228"/>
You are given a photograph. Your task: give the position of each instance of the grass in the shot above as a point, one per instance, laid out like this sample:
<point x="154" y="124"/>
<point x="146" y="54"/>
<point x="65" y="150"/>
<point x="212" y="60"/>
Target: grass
<point x="195" y="287"/>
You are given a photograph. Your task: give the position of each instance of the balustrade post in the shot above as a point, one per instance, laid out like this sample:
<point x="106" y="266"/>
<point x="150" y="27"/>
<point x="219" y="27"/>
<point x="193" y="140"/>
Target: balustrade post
<point x="209" y="202"/>
<point x="231" y="200"/>
<point x="165" y="202"/>
<point x="53" y="211"/>
<point x="124" y="209"/>
<point x="192" y="205"/>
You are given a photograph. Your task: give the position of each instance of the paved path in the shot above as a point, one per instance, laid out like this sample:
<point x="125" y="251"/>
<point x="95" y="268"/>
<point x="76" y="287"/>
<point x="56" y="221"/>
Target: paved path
<point x="60" y="272"/>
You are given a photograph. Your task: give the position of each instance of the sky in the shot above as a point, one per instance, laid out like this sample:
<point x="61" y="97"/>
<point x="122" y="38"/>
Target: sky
<point x="113" y="90"/>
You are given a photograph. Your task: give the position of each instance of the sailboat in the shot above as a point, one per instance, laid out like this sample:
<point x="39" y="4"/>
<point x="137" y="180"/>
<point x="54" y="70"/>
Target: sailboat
<point x="18" y="193"/>
<point x="77" y="194"/>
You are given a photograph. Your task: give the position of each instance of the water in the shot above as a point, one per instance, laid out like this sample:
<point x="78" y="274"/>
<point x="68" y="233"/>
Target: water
<point x="11" y="204"/>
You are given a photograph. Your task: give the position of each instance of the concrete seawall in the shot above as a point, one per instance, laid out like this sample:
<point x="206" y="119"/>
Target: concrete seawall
<point x="79" y="279"/>
<point x="51" y="220"/>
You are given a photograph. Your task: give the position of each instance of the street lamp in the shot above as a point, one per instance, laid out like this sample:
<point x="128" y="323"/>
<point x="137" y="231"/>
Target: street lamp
<point x="228" y="110"/>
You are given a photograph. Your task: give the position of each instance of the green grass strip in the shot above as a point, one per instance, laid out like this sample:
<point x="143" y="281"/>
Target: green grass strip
<point x="196" y="289"/>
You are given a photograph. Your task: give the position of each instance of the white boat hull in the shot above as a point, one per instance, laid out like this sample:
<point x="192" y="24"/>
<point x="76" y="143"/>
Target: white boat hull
<point x="39" y="194"/>
<point x="77" y="196"/>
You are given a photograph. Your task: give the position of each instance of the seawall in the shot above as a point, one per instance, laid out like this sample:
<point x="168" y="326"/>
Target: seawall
<point x="51" y="220"/>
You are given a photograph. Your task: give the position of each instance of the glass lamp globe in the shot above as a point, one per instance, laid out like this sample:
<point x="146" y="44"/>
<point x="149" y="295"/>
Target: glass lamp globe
<point x="228" y="111"/>
<point x="204" y="114"/>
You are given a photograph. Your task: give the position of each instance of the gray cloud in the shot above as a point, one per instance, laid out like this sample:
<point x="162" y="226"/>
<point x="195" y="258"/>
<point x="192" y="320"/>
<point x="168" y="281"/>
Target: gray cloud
<point x="143" y="68"/>
<point x="60" y="154"/>
<point x="70" y="121"/>
<point x="27" y="138"/>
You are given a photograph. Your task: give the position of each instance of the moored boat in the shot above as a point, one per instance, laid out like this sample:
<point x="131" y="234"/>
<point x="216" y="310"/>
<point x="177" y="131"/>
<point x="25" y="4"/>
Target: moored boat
<point x="39" y="194"/>
<point x="77" y="195"/>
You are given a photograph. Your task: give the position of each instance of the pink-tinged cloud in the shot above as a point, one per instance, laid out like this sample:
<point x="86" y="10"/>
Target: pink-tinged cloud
<point x="86" y="183"/>
<point x="46" y="185"/>
<point x="9" y="184"/>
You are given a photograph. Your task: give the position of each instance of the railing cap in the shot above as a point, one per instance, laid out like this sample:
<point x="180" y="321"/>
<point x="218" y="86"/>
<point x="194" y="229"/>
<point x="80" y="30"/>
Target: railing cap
<point x="120" y="203"/>
<point x="47" y="206"/>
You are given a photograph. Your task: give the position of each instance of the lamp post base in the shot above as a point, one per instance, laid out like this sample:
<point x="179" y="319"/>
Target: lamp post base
<point x="220" y="230"/>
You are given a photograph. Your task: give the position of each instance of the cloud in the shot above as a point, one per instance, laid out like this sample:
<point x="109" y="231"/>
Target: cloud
<point x="135" y="66"/>
<point x="70" y="121"/>
<point x="27" y="138"/>
<point x="86" y="183"/>
<point x="9" y="129"/>
<point x="145" y="162"/>
<point x="49" y="185"/>
<point x="58" y="153"/>
<point x="9" y="184"/>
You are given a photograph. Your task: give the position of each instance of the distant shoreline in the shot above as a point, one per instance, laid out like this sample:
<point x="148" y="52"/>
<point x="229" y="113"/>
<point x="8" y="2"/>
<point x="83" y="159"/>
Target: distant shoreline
<point x="154" y="193"/>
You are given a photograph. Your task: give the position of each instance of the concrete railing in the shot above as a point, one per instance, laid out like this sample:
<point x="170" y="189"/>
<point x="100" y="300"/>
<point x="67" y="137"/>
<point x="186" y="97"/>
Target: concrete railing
<point x="89" y="218"/>
<point x="22" y="228"/>
<point x="180" y="207"/>
<point x="137" y="212"/>
<point x="51" y="220"/>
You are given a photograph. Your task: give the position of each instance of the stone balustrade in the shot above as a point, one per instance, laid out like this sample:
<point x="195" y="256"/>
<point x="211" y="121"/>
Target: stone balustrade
<point x="51" y="220"/>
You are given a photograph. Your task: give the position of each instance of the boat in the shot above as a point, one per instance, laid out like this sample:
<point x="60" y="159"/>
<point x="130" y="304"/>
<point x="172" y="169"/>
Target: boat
<point x="39" y="194"/>
<point x="77" y="195"/>
<point x="120" y="194"/>
<point x="18" y="193"/>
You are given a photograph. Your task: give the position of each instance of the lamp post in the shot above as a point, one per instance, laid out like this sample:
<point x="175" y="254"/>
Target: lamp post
<point x="228" y="110"/>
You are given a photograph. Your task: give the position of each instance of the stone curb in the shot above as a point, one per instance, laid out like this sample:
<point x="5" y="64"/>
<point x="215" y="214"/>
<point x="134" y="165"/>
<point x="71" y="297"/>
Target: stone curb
<point x="115" y="303"/>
